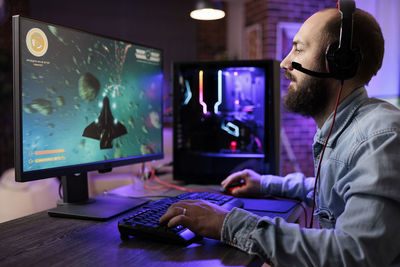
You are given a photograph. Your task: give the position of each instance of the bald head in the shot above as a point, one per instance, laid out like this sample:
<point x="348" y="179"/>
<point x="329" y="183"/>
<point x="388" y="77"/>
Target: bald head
<point x="315" y="26"/>
<point x="323" y="16"/>
<point x="367" y="35"/>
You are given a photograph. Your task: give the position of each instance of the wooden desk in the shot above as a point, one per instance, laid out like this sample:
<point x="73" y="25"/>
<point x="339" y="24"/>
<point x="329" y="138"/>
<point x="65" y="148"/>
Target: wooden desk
<point x="41" y="240"/>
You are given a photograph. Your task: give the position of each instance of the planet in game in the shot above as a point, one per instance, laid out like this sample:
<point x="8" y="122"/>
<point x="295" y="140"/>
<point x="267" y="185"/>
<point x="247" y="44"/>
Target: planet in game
<point x="89" y="87"/>
<point x="155" y="119"/>
<point x="60" y="101"/>
<point x="43" y="106"/>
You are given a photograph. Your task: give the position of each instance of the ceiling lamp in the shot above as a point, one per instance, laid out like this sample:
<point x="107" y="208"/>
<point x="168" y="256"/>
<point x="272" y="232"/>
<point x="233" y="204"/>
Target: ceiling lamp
<point x="207" y="10"/>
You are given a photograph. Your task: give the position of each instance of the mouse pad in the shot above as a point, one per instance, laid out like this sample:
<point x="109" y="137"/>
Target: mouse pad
<point x="268" y="205"/>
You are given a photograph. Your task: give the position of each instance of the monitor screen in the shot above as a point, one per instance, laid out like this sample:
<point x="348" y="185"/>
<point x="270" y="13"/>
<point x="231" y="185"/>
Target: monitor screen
<point x="83" y="101"/>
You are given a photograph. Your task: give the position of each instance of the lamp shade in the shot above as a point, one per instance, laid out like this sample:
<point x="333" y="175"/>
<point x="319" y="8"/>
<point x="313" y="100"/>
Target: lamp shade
<point x="207" y="10"/>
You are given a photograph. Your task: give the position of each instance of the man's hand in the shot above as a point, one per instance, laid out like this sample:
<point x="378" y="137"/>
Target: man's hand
<point x="200" y="216"/>
<point x="250" y="178"/>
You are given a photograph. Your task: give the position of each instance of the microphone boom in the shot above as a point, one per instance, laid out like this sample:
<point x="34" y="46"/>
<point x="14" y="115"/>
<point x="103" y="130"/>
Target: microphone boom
<point x="298" y="67"/>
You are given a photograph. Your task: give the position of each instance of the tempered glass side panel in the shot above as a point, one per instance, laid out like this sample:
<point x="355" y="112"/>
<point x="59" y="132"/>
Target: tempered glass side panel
<point x="222" y="109"/>
<point x="226" y="118"/>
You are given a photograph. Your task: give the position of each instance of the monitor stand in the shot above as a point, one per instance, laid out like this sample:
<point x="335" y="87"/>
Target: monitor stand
<point x="77" y="204"/>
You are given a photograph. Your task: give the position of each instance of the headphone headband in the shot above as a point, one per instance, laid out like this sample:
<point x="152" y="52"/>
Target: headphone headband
<point x="341" y="57"/>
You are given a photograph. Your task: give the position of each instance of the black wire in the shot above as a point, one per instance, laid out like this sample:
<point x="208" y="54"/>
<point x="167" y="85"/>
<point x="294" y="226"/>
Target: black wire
<point x="59" y="187"/>
<point x="305" y="214"/>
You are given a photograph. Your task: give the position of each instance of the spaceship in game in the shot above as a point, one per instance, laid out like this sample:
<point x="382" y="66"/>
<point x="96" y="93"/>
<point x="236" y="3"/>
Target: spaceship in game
<point x="105" y="128"/>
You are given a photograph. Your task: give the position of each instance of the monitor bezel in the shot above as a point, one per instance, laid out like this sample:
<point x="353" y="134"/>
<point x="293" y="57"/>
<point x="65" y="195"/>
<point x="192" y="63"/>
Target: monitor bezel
<point x="102" y="166"/>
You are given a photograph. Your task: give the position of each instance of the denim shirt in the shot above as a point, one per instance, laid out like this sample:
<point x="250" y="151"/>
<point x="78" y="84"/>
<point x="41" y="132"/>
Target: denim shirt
<point x="358" y="196"/>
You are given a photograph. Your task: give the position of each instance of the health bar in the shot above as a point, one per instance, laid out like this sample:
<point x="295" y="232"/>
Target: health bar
<point x="49" y="159"/>
<point x="46" y="152"/>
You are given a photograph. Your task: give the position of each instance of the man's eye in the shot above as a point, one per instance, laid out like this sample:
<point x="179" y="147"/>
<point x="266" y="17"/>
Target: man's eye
<point x="298" y="51"/>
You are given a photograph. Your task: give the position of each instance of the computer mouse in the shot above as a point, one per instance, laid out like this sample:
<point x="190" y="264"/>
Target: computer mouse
<point x="233" y="186"/>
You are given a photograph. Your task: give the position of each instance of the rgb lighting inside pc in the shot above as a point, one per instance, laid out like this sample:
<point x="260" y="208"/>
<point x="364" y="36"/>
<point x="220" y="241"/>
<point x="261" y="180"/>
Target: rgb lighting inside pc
<point x="234" y="106"/>
<point x="225" y="110"/>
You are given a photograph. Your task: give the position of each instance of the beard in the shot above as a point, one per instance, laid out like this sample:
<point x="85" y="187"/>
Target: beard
<point x="310" y="98"/>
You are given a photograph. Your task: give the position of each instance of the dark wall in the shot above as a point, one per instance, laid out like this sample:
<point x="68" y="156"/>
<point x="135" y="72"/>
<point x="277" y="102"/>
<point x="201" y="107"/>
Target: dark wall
<point x="7" y="9"/>
<point x="159" y="23"/>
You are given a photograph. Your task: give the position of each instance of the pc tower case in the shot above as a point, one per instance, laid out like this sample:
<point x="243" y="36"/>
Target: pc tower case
<point x="226" y="118"/>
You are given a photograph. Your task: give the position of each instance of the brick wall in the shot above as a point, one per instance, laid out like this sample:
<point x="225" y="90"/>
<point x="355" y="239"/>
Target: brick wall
<point x="268" y="13"/>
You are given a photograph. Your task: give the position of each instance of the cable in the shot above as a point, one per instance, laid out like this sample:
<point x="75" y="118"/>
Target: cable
<point x="146" y="184"/>
<point x="298" y="202"/>
<point x="60" y="194"/>
<point x="165" y="184"/>
<point x="323" y="151"/>
<point x="168" y="111"/>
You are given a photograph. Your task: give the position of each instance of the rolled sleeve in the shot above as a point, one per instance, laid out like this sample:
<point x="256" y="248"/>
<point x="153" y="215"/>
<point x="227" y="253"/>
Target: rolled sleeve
<point x="237" y="226"/>
<point x="239" y="230"/>
<point x="293" y="185"/>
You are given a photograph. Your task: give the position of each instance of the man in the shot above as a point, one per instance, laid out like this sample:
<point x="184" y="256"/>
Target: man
<point x="358" y="192"/>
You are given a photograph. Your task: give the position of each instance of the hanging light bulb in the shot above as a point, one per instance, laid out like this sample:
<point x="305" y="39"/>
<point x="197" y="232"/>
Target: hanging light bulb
<point x="207" y="10"/>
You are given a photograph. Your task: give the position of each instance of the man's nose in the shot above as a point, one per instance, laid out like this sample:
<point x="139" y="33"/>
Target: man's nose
<point x="286" y="63"/>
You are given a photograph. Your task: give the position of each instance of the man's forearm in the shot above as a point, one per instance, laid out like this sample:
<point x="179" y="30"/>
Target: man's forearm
<point x="294" y="185"/>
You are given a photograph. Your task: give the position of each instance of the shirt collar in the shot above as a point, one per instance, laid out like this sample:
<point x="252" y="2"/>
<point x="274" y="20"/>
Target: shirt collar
<point x="345" y="112"/>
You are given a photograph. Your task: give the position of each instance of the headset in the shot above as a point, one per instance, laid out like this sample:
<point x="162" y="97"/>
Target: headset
<point x="341" y="57"/>
<point x="341" y="60"/>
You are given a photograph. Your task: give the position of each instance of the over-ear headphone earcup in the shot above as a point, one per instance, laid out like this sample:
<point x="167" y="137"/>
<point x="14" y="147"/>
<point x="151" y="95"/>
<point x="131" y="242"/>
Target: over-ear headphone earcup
<point x="330" y="57"/>
<point x="342" y="63"/>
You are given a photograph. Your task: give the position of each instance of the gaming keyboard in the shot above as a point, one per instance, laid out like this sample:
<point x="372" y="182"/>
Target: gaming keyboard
<point x="143" y="222"/>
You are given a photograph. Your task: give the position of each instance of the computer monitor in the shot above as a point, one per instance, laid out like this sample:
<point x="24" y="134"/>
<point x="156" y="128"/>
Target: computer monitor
<point x="83" y="102"/>
<point x="226" y="118"/>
